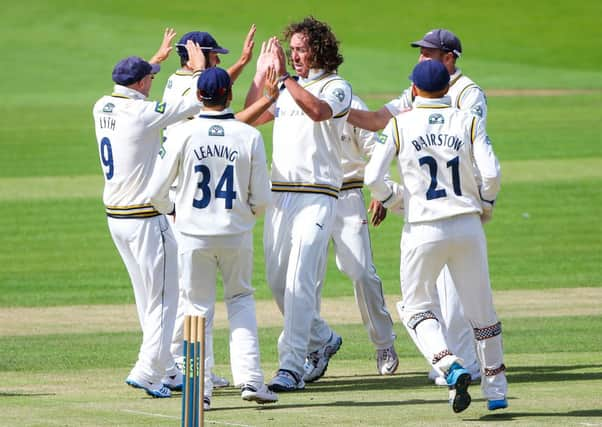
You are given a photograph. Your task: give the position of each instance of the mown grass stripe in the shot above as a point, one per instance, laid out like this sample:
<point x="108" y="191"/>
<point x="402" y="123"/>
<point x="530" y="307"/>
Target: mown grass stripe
<point x="91" y="186"/>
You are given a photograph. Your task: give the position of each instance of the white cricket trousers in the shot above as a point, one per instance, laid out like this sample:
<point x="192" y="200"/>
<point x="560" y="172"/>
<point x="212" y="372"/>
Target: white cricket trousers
<point x="460" y="243"/>
<point x="177" y="342"/>
<point x="353" y="254"/>
<point x="297" y="229"/>
<point x="457" y="330"/>
<point x="200" y="260"/>
<point x="148" y="249"/>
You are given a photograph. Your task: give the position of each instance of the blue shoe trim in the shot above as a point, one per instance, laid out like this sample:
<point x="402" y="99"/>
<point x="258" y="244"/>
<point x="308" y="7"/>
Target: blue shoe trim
<point x="492" y="405"/>
<point x="455" y="370"/>
<point x="458" y="380"/>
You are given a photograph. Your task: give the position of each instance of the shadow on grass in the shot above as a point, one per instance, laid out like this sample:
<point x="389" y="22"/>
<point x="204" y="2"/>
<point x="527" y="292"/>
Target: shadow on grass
<point x="530" y="374"/>
<point x="23" y="394"/>
<point x="513" y="416"/>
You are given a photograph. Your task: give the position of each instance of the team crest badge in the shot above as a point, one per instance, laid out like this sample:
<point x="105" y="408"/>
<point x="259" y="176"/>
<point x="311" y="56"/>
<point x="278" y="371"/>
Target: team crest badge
<point x="477" y="111"/>
<point x="108" y="108"/>
<point x="216" y="130"/>
<point x="339" y="94"/>
<point x="160" y="107"/>
<point x="436" y="119"/>
<point x="382" y="138"/>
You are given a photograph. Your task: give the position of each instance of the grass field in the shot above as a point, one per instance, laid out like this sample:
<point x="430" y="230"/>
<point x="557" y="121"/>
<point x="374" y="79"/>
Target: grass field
<point x="68" y="332"/>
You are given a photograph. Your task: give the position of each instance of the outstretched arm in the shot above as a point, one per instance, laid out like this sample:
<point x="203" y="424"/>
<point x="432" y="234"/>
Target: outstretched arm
<point x="245" y="57"/>
<point x="371" y="120"/>
<point x="165" y="49"/>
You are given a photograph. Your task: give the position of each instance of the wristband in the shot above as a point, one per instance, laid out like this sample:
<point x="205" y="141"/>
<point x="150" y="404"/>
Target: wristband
<point x="283" y="77"/>
<point x="272" y="99"/>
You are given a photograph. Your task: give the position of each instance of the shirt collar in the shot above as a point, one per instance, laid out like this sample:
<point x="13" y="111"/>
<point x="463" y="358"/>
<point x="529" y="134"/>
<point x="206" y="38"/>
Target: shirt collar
<point x="183" y="72"/>
<point x="124" y="91"/>
<point x="454" y="77"/>
<point x="216" y="113"/>
<point x="314" y="74"/>
<point x="420" y="102"/>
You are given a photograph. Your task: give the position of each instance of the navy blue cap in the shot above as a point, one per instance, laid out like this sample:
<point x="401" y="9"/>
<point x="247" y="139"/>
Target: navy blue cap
<point x="430" y="76"/>
<point x="203" y="39"/>
<point x="213" y="83"/>
<point x="133" y="69"/>
<point x="440" y="39"/>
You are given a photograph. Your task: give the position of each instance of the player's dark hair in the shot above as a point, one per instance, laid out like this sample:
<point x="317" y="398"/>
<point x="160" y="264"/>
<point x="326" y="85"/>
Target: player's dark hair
<point x="220" y="100"/>
<point x="323" y="43"/>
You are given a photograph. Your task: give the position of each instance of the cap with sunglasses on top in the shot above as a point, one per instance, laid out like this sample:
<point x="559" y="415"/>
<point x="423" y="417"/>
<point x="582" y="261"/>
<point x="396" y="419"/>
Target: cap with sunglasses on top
<point x="203" y="39"/>
<point x="441" y="39"/>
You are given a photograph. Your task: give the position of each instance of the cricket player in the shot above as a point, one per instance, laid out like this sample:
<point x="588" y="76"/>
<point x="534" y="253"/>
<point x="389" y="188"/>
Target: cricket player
<point x="450" y="180"/>
<point x="178" y="85"/>
<point x="444" y="46"/>
<point x="128" y="132"/>
<point x="353" y="251"/>
<point x="223" y="186"/>
<point x="309" y="117"/>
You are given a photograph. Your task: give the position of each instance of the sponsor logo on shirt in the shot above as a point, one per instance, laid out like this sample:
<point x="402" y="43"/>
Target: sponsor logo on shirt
<point x="160" y="107"/>
<point x="216" y="130"/>
<point x="339" y="94"/>
<point x="436" y="119"/>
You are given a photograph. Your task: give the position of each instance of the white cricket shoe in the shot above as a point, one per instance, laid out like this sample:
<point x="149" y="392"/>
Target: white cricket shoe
<point x="286" y="380"/>
<point x="316" y="362"/>
<point x="174" y="382"/>
<point x="152" y="389"/>
<point x="219" y="382"/>
<point x="260" y="395"/>
<point x="386" y="361"/>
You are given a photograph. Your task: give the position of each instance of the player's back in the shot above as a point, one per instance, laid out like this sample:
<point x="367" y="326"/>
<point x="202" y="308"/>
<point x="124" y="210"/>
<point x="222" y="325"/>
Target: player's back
<point x="128" y="148"/>
<point x="223" y="176"/>
<point x="436" y="161"/>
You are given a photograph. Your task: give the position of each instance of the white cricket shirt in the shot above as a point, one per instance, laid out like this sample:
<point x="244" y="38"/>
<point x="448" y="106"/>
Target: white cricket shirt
<point x="356" y="147"/>
<point x="306" y="155"/>
<point x="178" y="85"/>
<point x="221" y="168"/>
<point x="445" y="158"/>
<point x="128" y="132"/>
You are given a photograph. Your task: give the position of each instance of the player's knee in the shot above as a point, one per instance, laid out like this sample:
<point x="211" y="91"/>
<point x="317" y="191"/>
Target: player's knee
<point x="358" y="273"/>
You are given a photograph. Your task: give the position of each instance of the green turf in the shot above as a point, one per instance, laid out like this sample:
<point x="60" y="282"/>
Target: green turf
<point x="56" y="249"/>
<point x="71" y="258"/>
<point x="118" y="350"/>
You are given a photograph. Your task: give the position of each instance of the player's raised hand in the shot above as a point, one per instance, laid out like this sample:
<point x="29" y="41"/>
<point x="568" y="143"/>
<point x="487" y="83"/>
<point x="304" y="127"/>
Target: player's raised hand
<point x="196" y="58"/>
<point x="247" y="49"/>
<point x="271" y="84"/>
<point x="165" y="48"/>
<point x="279" y="56"/>
<point x="265" y="59"/>
<point x="379" y="212"/>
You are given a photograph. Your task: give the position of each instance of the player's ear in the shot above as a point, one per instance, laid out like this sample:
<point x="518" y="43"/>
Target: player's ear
<point x="199" y="96"/>
<point x="414" y="91"/>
